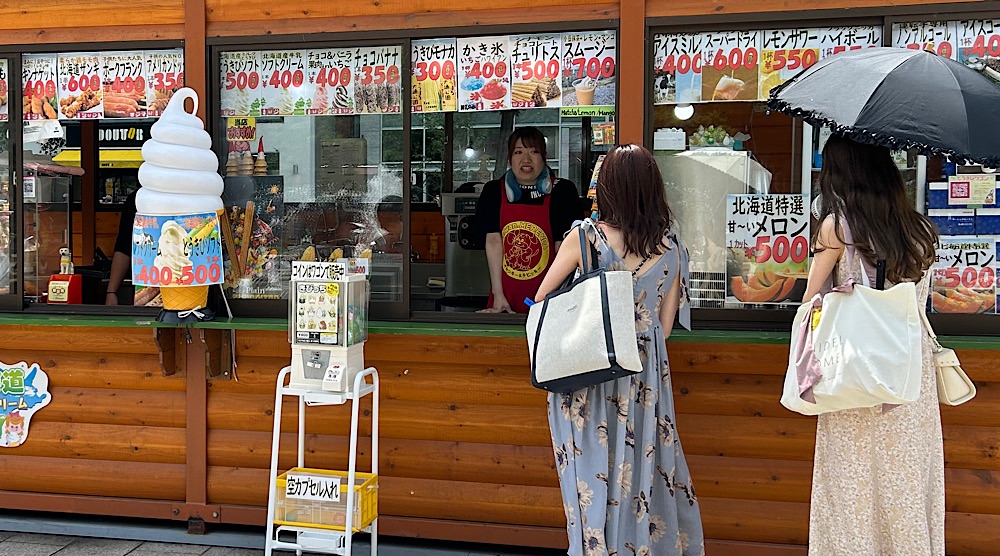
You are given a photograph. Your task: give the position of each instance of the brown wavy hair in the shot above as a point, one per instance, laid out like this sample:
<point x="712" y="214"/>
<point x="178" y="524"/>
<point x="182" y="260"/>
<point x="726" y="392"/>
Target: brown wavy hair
<point x="861" y="184"/>
<point x="631" y="197"/>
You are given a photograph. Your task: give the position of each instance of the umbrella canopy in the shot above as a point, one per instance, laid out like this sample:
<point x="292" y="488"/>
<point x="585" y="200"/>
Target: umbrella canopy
<point x="902" y="99"/>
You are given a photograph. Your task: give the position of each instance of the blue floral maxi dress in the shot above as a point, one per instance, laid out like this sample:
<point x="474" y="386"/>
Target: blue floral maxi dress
<point x="625" y="483"/>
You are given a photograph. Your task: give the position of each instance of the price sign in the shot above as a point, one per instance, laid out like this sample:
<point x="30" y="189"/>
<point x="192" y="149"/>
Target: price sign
<point x="965" y="275"/>
<point x="589" y="72"/>
<point x="434" y="84"/>
<point x="81" y="86"/>
<point x="4" y="93"/>
<point x="677" y="65"/>
<point x="483" y="74"/>
<point x="38" y="81"/>
<point x="978" y="38"/>
<point x="784" y="53"/>
<point x="834" y="40"/>
<point x="331" y="81"/>
<point x="124" y="84"/>
<point x="767" y="237"/>
<point x="377" y="81"/>
<point x="730" y="66"/>
<point x="536" y="68"/>
<point x="939" y="37"/>
<point x="164" y="76"/>
<point x="240" y="83"/>
<point x="183" y="250"/>
<point x="283" y="83"/>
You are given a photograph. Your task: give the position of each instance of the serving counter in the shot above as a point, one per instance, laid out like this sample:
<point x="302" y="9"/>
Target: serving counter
<point x="154" y="421"/>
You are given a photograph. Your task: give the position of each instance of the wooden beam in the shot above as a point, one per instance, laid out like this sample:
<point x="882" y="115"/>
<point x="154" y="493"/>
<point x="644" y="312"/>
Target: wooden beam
<point x="196" y="466"/>
<point x="632" y="71"/>
<point x="195" y="56"/>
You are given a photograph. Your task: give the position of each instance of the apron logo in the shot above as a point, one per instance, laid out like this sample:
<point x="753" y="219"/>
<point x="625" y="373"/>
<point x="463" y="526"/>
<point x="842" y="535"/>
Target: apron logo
<point x="525" y="250"/>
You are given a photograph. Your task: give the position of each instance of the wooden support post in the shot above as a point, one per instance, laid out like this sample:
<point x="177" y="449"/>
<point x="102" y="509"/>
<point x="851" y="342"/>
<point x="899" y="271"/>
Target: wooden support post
<point x="632" y="70"/>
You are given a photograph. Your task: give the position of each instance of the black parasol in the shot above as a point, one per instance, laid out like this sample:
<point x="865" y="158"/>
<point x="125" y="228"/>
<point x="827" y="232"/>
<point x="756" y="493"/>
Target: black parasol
<point x="901" y="99"/>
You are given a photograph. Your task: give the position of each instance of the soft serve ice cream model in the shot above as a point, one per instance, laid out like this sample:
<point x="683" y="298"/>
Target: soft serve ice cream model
<point x="178" y="206"/>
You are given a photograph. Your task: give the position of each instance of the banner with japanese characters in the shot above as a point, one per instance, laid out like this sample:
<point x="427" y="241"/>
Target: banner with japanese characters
<point x="965" y="269"/>
<point x="767" y="248"/>
<point x="4" y="110"/>
<point x="979" y="38"/>
<point x="164" y="77"/>
<point x="939" y="37"/>
<point x="283" y="86"/>
<point x="677" y="66"/>
<point x="38" y="82"/>
<point x="590" y="73"/>
<point x="239" y="86"/>
<point x="536" y="65"/>
<point x="331" y="81"/>
<point x="80" y="81"/>
<point x="729" y="70"/>
<point x="377" y="80"/>
<point x="124" y="84"/>
<point x="483" y="74"/>
<point x="434" y="82"/>
<point x="24" y="389"/>
<point x="786" y="52"/>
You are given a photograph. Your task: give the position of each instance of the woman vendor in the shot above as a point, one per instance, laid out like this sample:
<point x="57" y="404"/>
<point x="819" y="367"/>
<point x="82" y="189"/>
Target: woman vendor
<point x="524" y="216"/>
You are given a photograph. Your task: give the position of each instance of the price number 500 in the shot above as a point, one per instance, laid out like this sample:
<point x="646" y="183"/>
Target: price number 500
<point x="190" y="275"/>
<point x="970" y="277"/>
<point x="781" y="249"/>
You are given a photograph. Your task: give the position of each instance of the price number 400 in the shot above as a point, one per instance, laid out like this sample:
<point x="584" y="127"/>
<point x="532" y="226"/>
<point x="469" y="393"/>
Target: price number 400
<point x="781" y="249"/>
<point x="156" y="276"/>
<point x="971" y="277"/>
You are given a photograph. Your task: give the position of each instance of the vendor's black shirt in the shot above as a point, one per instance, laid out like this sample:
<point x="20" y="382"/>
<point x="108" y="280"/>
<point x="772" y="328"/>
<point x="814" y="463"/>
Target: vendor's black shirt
<point x="123" y="244"/>
<point x="564" y="207"/>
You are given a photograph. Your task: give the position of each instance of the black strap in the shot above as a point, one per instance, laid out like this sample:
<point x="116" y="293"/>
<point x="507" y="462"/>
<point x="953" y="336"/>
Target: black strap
<point x="609" y="339"/>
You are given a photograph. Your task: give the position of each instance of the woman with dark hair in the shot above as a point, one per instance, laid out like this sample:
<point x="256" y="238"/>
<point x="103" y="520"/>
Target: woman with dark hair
<point x="878" y="476"/>
<point x="625" y="483"/>
<point x="521" y="215"/>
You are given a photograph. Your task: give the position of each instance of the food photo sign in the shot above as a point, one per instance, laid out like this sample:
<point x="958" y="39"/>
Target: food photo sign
<point x="536" y="64"/>
<point x="434" y="83"/>
<point x="183" y="250"/>
<point x="767" y="248"/>
<point x="965" y="269"/>
<point x="590" y="69"/>
<point x="483" y="74"/>
<point x="24" y="389"/>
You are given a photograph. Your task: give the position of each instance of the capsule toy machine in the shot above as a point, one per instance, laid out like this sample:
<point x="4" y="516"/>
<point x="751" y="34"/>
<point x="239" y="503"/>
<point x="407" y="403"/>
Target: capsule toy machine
<point x="328" y="325"/>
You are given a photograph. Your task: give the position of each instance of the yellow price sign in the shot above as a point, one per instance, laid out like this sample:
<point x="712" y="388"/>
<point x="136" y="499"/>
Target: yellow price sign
<point x="333" y="290"/>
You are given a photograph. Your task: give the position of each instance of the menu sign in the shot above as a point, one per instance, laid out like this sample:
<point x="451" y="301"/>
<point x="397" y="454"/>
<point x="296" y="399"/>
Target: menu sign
<point x="3" y="92"/>
<point x="536" y="65"/>
<point x="767" y="247"/>
<point x="483" y="74"/>
<point x="589" y="73"/>
<point x="80" y="86"/>
<point x="965" y="275"/>
<point x="239" y="87"/>
<point x="377" y="80"/>
<point x="939" y="37"/>
<point x="979" y="38"/>
<point x="331" y="82"/>
<point x="282" y="81"/>
<point x="972" y="189"/>
<point x="677" y="67"/>
<point x="784" y="53"/>
<point x="164" y="76"/>
<point x="124" y="85"/>
<point x="730" y="65"/>
<point x="434" y="82"/>
<point x="38" y="81"/>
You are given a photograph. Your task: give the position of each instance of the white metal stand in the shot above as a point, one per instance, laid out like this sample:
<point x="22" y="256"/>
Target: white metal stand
<point x="309" y="539"/>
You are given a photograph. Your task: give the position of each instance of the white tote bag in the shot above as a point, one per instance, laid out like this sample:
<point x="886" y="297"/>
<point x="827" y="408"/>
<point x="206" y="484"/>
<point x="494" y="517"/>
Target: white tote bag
<point x="864" y="351"/>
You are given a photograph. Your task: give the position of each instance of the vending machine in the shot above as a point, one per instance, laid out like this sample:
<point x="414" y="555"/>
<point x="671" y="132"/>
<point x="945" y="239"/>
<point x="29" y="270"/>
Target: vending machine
<point x="328" y="325"/>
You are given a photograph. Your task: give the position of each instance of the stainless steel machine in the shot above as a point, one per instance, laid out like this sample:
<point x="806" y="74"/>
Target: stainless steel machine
<point x="466" y="270"/>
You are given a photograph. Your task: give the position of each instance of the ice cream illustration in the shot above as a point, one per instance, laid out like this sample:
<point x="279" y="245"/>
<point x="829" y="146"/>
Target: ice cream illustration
<point x="286" y="102"/>
<point x="179" y="176"/>
<point x="242" y="103"/>
<point x="320" y="101"/>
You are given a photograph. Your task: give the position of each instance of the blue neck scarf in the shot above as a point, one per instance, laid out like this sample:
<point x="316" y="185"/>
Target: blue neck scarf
<point x="543" y="184"/>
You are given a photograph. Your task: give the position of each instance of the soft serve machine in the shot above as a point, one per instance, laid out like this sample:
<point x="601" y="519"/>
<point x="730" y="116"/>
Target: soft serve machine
<point x="328" y="325"/>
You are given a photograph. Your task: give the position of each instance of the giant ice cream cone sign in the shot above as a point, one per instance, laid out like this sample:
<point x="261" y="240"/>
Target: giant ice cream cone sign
<point x="175" y="238"/>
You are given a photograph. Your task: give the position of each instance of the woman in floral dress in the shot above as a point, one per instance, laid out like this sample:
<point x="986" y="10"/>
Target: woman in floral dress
<point x="625" y="483"/>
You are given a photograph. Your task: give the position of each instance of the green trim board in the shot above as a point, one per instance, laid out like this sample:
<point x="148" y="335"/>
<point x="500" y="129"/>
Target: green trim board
<point x="432" y="329"/>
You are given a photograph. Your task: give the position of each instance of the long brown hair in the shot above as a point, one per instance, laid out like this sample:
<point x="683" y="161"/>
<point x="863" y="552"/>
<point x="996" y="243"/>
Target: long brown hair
<point x="861" y="184"/>
<point x="631" y="198"/>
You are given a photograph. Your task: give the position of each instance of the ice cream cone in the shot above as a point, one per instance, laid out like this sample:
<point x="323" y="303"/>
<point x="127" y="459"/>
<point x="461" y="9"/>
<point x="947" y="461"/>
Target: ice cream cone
<point x="184" y="298"/>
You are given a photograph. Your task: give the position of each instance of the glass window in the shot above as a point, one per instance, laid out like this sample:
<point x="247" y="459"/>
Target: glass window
<point x="7" y="223"/>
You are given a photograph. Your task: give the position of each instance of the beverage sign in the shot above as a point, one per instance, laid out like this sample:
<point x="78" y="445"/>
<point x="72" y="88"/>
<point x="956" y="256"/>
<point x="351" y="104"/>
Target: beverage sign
<point x="283" y="83"/>
<point x="377" y="80"/>
<point x="730" y="65"/>
<point x="784" y="53"/>
<point x="38" y="80"/>
<point x="590" y="72"/>
<point x="164" y="76"/>
<point x="24" y="390"/>
<point x="939" y="37"/>
<point x="483" y="74"/>
<point x="124" y="84"/>
<point x="767" y="248"/>
<point x="4" y="93"/>
<point x="972" y="189"/>
<point x="979" y="38"/>
<point x="965" y="275"/>
<point x="239" y="87"/>
<point x="434" y="82"/>
<point x="536" y="67"/>
<point x="184" y="250"/>
<point x="81" y="91"/>
<point x="677" y="66"/>
<point x="331" y="81"/>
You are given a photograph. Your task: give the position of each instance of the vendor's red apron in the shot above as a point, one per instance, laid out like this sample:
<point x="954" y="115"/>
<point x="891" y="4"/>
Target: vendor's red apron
<point x="528" y="249"/>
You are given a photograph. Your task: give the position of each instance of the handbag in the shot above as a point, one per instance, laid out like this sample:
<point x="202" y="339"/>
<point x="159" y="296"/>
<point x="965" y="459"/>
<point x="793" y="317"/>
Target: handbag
<point x="583" y="333"/>
<point x="854" y="347"/>
<point x="953" y="385"/>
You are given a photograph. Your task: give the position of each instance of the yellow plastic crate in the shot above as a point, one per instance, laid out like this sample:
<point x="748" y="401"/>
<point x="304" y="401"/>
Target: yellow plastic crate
<point x="327" y="514"/>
